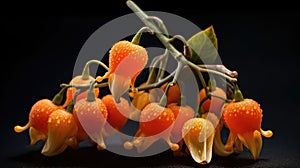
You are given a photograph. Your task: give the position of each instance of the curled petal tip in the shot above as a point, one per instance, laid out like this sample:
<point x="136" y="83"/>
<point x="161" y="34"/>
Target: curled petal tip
<point x="173" y="146"/>
<point x="97" y="137"/>
<point x="101" y="78"/>
<point x="179" y="153"/>
<point x="20" y="129"/>
<point x="267" y="134"/>
<point x="101" y="147"/>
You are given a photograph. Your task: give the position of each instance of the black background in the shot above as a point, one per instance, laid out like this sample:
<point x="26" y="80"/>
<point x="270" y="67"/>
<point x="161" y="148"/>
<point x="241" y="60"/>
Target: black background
<point x="40" y="46"/>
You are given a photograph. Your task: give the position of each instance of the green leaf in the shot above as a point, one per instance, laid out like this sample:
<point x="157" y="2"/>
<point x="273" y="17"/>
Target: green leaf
<point x="204" y="46"/>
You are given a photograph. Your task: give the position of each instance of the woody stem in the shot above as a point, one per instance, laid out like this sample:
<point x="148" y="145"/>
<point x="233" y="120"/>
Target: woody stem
<point x="165" y="41"/>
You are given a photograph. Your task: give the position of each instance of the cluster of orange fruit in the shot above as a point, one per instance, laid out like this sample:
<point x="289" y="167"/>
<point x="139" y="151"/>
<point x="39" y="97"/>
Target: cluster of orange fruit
<point x="84" y="115"/>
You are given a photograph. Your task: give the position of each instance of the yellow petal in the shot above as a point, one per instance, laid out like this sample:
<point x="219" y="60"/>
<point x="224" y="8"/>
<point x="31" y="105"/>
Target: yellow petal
<point x="219" y="147"/>
<point x="230" y="141"/>
<point x="62" y="130"/>
<point x="253" y="141"/>
<point x="139" y="101"/>
<point x="198" y="135"/>
<point x="238" y="145"/>
<point x="36" y="135"/>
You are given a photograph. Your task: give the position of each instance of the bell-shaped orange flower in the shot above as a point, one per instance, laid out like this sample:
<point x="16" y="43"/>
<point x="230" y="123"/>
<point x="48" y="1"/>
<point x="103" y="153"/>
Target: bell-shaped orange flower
<point x="126" y="61"/>
<point x="118" y="114"/>
<point x="92" y="114"/>
<point x="156" y="122"/>
<point x="38" y="119"/>
<point x="244" y="118"/>
<point x="62" y="130"/>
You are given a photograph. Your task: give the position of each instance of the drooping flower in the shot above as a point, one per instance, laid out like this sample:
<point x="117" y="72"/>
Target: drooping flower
<point x="62" y="130"/>
<point x="244" y="118"/>
<point x="126" y="61"/>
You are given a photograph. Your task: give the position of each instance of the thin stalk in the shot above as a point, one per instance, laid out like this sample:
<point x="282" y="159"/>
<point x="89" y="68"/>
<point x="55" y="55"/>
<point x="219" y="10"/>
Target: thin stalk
<point x="137" y="37"/>
<point x="86" y="70"/>
<point x="163" y="65"/>
<point x="157" y="84"/>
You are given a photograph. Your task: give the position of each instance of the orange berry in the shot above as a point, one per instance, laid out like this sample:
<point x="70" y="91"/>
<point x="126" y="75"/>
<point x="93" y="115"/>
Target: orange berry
<point x="71" y="91"/>
<point x="155" y="119"/>
<point x="244" y="116"/>
<point x="38" y="116"/>
<point x="92" y="115"/>
<point x="182" y="114"/>
<point x="127" y="59"/>
<point x="173" y="93"/>
<point x="117" y="112"/>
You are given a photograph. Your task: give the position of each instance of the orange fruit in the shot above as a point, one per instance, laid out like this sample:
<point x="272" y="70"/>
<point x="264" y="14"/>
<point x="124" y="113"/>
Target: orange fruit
<point x="181" y="114"/>
<point x="117" y="112"/>
<point x="243" y="116"/>
<point x="72" y="90"/>
<point x="155" y="119"/>
<point x="38" y="116"/>
<point x="173" y="93"/>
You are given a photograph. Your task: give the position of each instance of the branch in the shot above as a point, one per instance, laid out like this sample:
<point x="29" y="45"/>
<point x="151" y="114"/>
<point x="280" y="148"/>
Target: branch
<point x="165" y="41"/>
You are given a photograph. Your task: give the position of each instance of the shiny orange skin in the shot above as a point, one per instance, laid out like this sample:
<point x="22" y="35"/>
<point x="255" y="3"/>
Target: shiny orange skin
<point x="156" y="119"/>
<point x="127" y="59"/>
<point x="182" y="114"/>
<point x="72" y="90"/>
<point x="62" y="119"/>
<point x="39" y="114"/>
<point x="81" y="134"/>
<point x="117" y="112"/>
<point x="174" y="93"/>
<point x="218" y="103"/>
<point x="92" y="115"/>
<point x="244" y="116"/>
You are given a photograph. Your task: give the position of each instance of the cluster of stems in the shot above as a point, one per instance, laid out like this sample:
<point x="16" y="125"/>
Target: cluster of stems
<point x="156" y="27"/>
